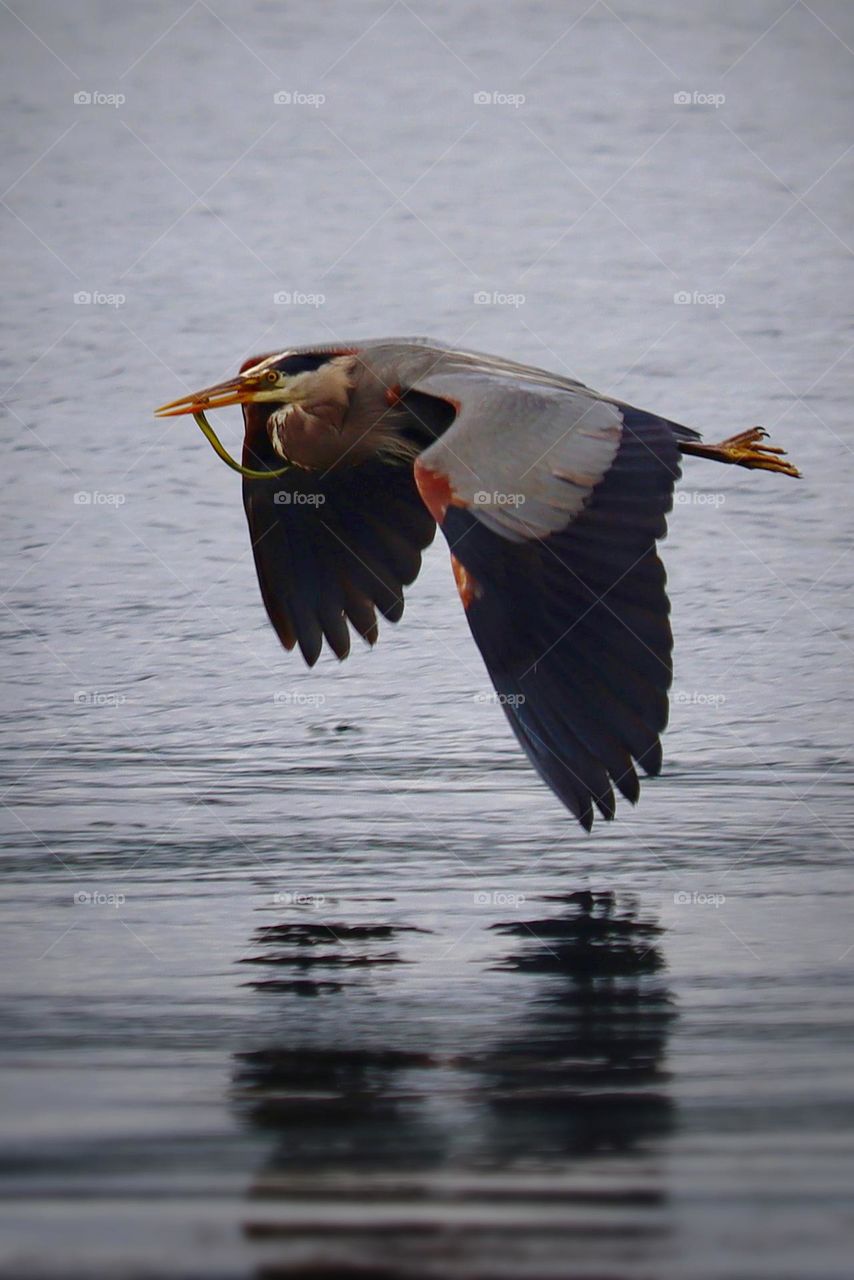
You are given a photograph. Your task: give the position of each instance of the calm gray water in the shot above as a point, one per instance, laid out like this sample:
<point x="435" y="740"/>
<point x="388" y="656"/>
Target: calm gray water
<point x="306" y="973"/>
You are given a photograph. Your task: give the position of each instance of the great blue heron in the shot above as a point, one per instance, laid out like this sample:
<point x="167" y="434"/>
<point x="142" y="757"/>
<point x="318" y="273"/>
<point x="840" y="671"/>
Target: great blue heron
<point x="550" y="495"/>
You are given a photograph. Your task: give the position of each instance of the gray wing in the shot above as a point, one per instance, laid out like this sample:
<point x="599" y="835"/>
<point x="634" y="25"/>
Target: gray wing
<point x="551" y="499"/>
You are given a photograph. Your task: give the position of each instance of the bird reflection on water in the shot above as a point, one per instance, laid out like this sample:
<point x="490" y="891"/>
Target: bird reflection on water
<point x="513" y="1118"/>
<point x="585" y="1072"/>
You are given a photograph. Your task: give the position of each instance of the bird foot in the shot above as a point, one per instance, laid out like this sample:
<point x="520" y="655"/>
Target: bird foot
<point x="745" y="450"/>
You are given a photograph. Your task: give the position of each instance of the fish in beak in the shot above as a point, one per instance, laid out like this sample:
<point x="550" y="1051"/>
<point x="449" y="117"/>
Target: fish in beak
<point x="240" y="390"/>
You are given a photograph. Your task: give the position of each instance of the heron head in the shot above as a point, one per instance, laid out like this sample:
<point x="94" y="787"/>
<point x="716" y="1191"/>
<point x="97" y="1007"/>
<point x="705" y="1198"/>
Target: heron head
<point x="299" y="397"/>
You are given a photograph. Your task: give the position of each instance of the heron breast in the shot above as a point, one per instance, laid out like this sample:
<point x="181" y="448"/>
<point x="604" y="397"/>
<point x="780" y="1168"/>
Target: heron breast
<point x="309" y="437"/>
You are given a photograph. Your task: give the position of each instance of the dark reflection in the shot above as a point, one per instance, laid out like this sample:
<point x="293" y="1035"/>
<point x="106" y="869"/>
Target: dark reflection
<point x="338" y="1109"/>
<point x="583" y="1071"/>
<point x="338" y="1105"/>
<point x="548" y="1053"/>
<point x="302" y="947"/>
<point x="580" y="1071"/>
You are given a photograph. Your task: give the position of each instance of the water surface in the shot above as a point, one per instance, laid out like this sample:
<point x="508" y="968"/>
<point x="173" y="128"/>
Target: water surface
<point x="308" y="970"/>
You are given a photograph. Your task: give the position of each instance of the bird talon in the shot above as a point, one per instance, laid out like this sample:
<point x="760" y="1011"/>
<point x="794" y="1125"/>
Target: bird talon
<point x="745" y="450"/>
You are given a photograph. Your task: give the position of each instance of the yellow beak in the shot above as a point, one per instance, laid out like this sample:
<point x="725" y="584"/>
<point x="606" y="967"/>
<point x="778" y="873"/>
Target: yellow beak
<point x="233" y="391"/>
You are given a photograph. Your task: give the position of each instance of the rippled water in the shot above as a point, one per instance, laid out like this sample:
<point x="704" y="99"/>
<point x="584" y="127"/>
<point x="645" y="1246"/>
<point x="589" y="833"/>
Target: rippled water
<point x="306" y="972"/>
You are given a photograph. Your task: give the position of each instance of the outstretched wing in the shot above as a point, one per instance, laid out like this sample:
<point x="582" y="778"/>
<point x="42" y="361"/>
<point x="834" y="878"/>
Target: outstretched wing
<point x="336" y="547"/>
<point x="551" y="499"/>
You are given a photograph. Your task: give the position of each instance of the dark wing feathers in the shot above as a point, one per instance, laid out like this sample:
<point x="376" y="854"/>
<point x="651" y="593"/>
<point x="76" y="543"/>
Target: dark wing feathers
<point x="333" y="548"/>
<point x="574" y="627"/>
<point x="336" y="547"/>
